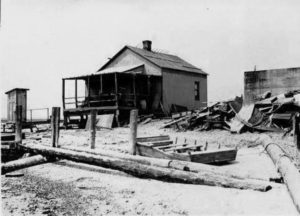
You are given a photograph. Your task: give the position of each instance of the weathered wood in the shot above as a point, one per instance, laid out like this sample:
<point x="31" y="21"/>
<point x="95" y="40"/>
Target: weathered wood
<point x="76" y="99"/>
<point x="133" y="131"/>
<point x="22" y="163"/>
<point x="116" y="89"/>
<point x="296" y="132"/>
<point x="63" y="93"/>
<point x="18" y="136"/>
<point x="147" y="171"/>
<point x="167" y="163"/>
<point x="153" y="139"/>
<point x="55" y="120"/>
<point x="285" y="166"/>
<point x="93" y="128"/>
<point x="212" y="156"/>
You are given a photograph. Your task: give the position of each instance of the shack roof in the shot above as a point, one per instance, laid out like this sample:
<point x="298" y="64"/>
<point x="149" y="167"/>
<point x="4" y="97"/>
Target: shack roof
<point x="161" y="60"/>
<point x="17" y="89"/>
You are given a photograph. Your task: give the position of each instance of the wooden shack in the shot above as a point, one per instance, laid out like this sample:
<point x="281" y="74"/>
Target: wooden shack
<point x="138" y="78"/>
<point x="16" y="97"/>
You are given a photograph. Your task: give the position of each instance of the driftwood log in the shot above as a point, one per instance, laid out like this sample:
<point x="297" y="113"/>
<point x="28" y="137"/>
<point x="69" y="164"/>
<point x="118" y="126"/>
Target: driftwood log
<point x="285" y="166"/>
<point x="22" y="163"/>
<point x="149" y="171"/>
<point x="167" y="163"/>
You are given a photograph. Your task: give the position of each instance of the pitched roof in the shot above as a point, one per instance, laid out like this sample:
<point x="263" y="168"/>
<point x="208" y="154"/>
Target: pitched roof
<point x="161" y="60"/>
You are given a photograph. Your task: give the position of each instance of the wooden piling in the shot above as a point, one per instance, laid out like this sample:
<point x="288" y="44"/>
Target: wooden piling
<point x="18" y="130"/>
<point x="133" y="131"/>
<point x="93" y="128"/>
<point x="55" y="119"/>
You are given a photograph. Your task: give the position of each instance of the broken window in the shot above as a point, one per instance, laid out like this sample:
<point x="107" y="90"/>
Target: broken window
<point x="197" y="90"/>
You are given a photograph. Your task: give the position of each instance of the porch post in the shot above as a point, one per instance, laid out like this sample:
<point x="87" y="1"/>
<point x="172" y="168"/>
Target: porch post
<point x="76" y="104"/>
<point x="116" y="89"/>
<point x="134" y="89"/>
<point x="101" y="83"/>
<point x="148" y="92"/>
<point x="88" y="90"/>
<point x="63" y="93"/>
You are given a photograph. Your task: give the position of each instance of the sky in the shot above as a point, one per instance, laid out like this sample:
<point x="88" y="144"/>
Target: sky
<point x="42" y="41"/>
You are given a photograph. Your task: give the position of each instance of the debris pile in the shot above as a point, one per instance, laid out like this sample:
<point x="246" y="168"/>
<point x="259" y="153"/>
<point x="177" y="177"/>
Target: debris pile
<point x="269" y="113"/>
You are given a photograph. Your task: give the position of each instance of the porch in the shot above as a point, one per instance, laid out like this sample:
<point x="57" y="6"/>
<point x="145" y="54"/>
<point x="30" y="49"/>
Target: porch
<point x="111" y="92"/>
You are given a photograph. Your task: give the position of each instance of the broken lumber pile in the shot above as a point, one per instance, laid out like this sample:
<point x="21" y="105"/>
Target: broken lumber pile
<point x="285" y="166"/>
<point x="149" y="171"/>
<point x="268" y="113"/>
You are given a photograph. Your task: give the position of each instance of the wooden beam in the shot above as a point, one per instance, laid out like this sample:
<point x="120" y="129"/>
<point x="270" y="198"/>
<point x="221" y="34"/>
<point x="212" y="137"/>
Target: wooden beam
<point x="133" y="131"/>
<point x="93" y="117"/>
<point x="55" y="120"/>
<point x="149" y="171"/>
<point x="76" y="100"/>
<point x="63" y="93"/>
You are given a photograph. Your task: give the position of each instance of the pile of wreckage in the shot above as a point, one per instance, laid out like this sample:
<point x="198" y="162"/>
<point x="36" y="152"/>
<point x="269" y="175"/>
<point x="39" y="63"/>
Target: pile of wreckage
<point x="268" y="113"/>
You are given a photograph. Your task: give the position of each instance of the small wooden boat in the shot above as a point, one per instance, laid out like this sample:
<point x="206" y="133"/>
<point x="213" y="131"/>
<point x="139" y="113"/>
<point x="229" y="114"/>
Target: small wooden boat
<point x="163" y="147"/>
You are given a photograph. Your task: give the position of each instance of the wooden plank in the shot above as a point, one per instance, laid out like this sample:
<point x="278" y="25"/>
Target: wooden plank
<point x="133" y="131"/>
<point x="105" y="121"/>
<point x="214" y="156"/>
<point x="183" y="147"/>
<point x="153" y="138"/>
<point x="160" y="143"/>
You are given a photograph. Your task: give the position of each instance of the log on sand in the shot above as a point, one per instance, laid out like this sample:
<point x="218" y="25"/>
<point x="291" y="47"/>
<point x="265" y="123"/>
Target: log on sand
<point x="285" y="166"/>
<point x="148" y="171"/>
<point x="166" y="163"/>
<point x="22" y="163"/>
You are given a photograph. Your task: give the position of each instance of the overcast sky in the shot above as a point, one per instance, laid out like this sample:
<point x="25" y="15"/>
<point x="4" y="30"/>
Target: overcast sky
<point x="45" y="40"/>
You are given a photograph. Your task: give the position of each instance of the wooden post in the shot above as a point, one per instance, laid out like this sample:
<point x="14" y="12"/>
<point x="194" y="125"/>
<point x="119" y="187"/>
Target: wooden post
<point x="63" y="93"/>
<point x="93" y="128"/>
<point x="296" y="128"/>
<point x="101" y="84"/>
<point x="116" y="89"/>
<point x="31" y="115"/>
<point x="55" y="119"/>
<point x="134" y="90"/>
<point x="18" y="114"/>
<point x="133" y="131"/>
<point x="88" y="90"/>
<point x="148" y="92"/>
<point x="76" y="100"/>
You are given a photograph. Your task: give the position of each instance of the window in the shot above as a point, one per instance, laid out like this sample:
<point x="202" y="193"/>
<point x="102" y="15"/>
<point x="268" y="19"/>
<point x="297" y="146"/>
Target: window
<point x="197" y="90"/>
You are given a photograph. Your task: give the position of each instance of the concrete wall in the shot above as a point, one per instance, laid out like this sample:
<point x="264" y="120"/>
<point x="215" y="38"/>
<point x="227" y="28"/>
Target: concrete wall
<point x="130" y="58"/>
<point x="178" y="88"/>
<point x="277" y="81"/>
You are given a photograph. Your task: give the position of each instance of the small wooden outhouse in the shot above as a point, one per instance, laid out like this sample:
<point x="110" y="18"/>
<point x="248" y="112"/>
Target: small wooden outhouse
<point x="16" y="97"/>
